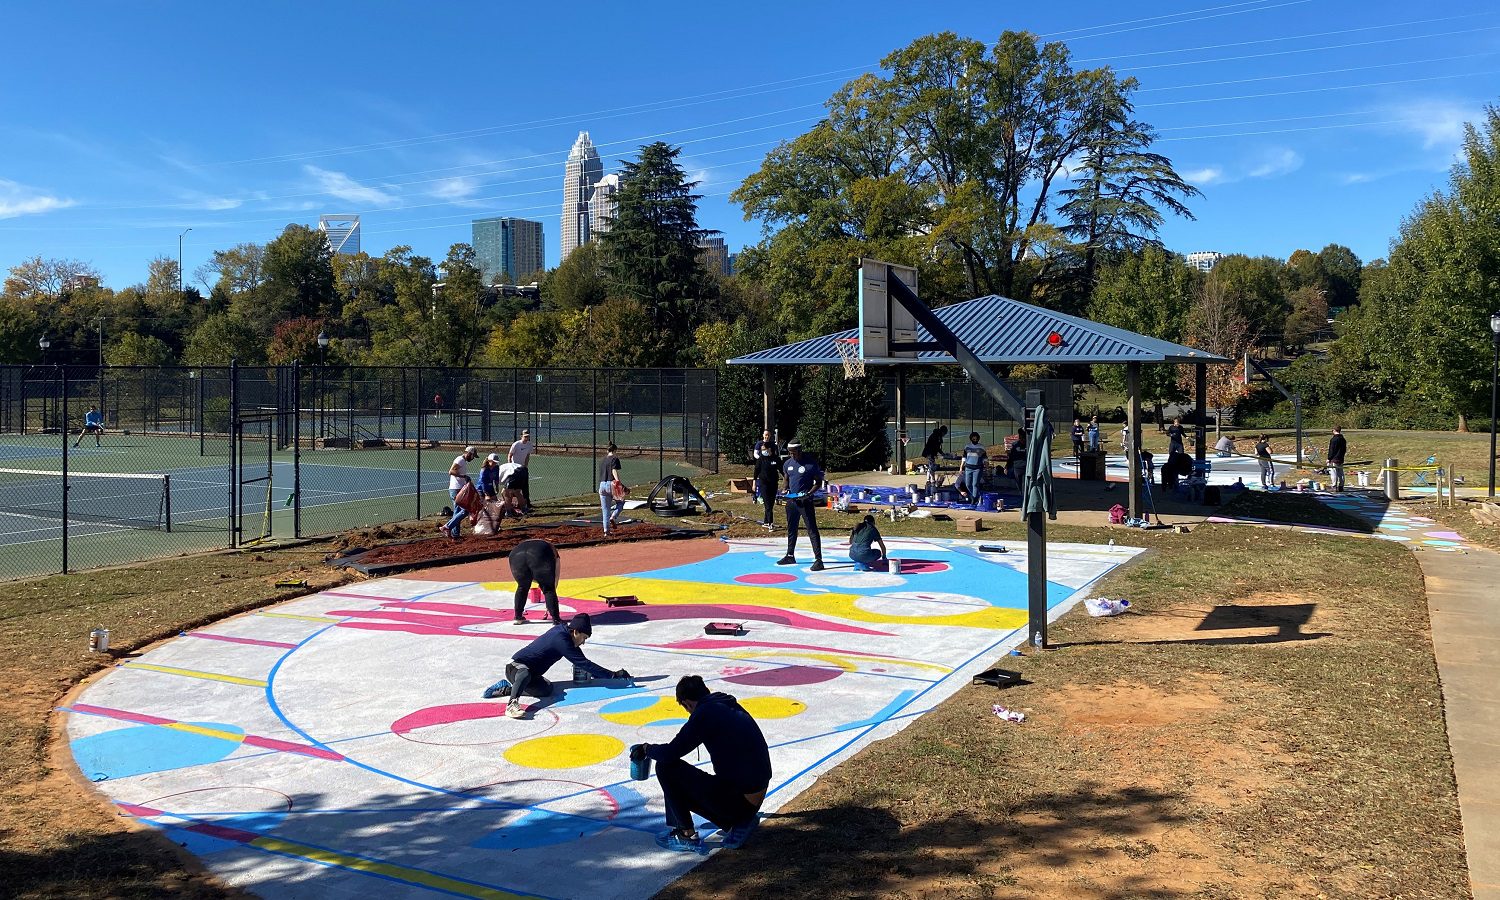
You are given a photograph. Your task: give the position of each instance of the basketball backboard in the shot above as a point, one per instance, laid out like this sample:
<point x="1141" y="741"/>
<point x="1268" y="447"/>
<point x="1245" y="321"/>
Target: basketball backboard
<point x="883" y="320"/>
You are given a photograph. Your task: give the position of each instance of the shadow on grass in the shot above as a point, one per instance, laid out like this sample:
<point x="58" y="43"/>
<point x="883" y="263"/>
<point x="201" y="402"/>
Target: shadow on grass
<point x="1297" y="508"/>
<point x="859" y="850"/>
<point x="1287" y="618"/>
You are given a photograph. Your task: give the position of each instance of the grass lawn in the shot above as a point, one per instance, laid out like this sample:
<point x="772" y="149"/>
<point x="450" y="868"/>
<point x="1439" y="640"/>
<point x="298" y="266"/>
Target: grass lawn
<point x="1267" y="723"/>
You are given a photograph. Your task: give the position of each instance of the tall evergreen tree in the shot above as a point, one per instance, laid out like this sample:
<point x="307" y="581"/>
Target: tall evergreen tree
<point x="651" y="247"/>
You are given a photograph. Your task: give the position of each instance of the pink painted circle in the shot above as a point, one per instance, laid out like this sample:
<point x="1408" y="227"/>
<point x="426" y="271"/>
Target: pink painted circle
<point x="765" y="578"/>
<point x="453" y="725"/>
<point x="786" y="676"/>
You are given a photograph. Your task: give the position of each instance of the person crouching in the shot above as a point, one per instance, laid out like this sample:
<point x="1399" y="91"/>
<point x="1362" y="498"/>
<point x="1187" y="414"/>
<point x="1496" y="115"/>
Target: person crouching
<point x="526" y="671"/>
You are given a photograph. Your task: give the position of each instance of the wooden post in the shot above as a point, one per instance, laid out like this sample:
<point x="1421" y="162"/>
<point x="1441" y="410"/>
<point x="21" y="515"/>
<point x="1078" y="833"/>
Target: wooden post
<point x="1133" y="425"/>
<point x="767" y="401"/>
<point x="900" y="455"/>
<point x="1200" y="387"/>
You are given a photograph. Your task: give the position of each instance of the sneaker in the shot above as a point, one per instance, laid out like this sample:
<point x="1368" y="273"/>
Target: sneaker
<point x="675" y="842"/>
<point x="514" y="710"/>
<point x="497" y="689"/>
<point x="817" y="566"/>
<point x="787" y="561"/>
<point x="518" y="620"/>
<point x="735" y="837"/>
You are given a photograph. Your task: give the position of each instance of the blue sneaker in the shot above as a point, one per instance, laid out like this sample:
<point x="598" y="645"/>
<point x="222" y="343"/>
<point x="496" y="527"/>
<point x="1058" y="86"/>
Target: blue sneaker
<point x="498" y="689"/>
<point x="735" y="837"/>
<point x="671" y="840"/>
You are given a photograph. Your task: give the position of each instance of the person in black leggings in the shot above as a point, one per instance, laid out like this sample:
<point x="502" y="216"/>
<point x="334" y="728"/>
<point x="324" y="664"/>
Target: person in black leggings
<point x="767" y="476"/>
<point x="537" y="561"/>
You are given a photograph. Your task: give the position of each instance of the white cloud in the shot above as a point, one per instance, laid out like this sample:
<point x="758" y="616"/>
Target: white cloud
<point x="459" y="188"/>
<point x="1440" y="123"/>
<point x="337" y="184"/>
<point x="19" y="200"/>
<point x="1282" y="161"/>
<point x="1204" y="176"/>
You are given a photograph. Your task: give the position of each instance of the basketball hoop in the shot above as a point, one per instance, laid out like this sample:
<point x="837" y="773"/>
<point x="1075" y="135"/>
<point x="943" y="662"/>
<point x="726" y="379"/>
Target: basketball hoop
<point x="848" y="348"/>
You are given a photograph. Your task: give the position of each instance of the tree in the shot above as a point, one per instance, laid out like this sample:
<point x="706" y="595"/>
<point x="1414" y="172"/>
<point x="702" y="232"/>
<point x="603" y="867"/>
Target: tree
<point x="42" y="281"/>
<point x="460" y="323"/>
<point x="1217" y="325"/>
<point x="651" y="248"/>
<point x="222" y="337"/>
<point x="133" y="349"/>
<point x="578" y="282"/>
<point x="621" y="333"/>
<point x="1152" y="292"/>
<point x="1341" y="275"/>
<point x="296" y="339"/>
<point x="843" y="420"/>
<point x="532" y="340"/>
<point x="1308" y="317"/>
<point x="298" y="267"/>
<point x="1254" y="286"/>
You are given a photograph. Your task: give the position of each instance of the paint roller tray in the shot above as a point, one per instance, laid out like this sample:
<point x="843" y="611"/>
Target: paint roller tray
<point x="622" y="600"/>
<point x="997" y="677"/>
<point x="724" y="628"/>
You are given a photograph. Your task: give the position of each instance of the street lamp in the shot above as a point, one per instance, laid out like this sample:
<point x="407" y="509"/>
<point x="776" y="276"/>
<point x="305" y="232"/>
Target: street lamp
<point x="179" y="262"/>
<point x="322" y="348"/>
<point x="1494" y="380"/>
<point x="44" y="344"/>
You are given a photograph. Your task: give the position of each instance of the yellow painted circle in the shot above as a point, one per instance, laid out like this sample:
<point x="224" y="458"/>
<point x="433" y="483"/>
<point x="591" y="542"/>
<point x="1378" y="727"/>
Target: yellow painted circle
<point x="773" y="707"/>
<point x="661" y="709"/>
<point x="565" y="751"/>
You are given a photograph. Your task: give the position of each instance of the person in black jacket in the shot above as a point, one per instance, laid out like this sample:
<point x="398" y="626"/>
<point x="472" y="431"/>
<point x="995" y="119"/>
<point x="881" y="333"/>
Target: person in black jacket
<point x="1337" y="448"/>
<point x="524" y="673"/>
<point x="767" y="477"/>
<point x="730" y="796"/>
<point x="932" y="450"/>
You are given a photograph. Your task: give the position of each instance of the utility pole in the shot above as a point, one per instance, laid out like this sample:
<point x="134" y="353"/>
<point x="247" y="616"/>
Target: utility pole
<point x="179" y="262"/>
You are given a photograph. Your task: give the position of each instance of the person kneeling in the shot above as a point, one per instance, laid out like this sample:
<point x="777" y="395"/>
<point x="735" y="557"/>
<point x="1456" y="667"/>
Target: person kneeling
<point x="730" y="796"/>
<point x="525" y="672"/>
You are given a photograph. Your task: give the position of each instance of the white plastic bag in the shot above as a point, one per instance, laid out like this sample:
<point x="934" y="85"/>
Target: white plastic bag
<point x="488" y="522"/>
<point x="1009" y="715"/>
<point x="1104" y="606"/>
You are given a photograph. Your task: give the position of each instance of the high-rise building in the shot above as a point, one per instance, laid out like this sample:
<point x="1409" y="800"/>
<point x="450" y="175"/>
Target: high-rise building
<point x="342" y="232"/>
<point x="583" y="169"/>
<point x="714" y="254"/>
<point x="511" y="246"/>
<point x="603" y="204"/>
<point x="1204" y="260"/>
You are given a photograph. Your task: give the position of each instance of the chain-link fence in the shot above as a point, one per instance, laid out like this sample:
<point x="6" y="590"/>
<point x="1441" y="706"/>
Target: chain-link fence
<point x="964" y="406"/>
<point x="185" y="459"/>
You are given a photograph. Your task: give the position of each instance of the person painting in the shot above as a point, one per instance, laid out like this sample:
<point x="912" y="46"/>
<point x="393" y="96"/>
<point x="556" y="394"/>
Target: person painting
<point x="767" y="477"/>
<point x="974" y="457"/>
<point x="526" y="671"/>
<point x="611" y="489"/>
<point x="535" y="561"/>
<point x="1337" y="449"/>
<point x="1224" y="447"/>
<point x="521" y="451"/>
<point x="1267" y="464"/>
<point x="93" y="423"/>
<point x="1078" y="437"/>
<point x="934" y="449"/>
<point x="729" y="797"/>
<point x="803" y="478"/>
<point x="864" y="556"/>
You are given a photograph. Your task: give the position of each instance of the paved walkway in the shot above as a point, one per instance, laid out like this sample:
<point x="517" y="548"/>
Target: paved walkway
<point x="1465" y="611"/>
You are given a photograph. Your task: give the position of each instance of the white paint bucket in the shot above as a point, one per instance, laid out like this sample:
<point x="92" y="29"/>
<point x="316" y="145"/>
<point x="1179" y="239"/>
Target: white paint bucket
<point x="99" y="640"/>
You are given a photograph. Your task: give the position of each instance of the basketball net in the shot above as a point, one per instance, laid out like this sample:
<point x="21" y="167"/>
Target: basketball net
<point x="848" y="348"/>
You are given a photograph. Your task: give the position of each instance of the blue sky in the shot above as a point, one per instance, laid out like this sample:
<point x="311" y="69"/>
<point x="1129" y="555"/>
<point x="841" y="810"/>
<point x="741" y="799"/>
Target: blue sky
<point x="1303" y="121"/>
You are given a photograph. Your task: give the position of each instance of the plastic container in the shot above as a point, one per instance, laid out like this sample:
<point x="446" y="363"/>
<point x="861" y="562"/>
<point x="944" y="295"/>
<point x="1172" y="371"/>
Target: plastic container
<point x="989" y="502"/>
<point x="99" y="640"/>
<point x="893" y="565"/>
<point x="640" y="763"/>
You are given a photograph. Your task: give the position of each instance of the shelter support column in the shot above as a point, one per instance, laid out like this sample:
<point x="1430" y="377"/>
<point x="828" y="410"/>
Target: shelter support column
<point x="767" y="401"/>
<point x="1200" y="397"/>
<point x="900" y="454"/>
<point x="1133" y="425"/>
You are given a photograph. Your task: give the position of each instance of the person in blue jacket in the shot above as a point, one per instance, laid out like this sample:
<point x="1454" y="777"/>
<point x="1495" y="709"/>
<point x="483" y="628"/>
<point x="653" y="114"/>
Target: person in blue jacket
<point x="803" y="478"/>
<point x="730" y="796"/>
<point x="525" y="672"/>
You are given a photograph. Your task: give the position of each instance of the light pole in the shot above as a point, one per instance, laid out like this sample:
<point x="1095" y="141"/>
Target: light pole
<point x="1494" y="380"/>
<point x="179" y="262"/>
<point x="322" y="376"/>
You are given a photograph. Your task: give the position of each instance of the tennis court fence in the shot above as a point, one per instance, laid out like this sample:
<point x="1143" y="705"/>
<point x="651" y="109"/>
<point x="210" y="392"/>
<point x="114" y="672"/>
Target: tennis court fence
<point x="199" y="458"/>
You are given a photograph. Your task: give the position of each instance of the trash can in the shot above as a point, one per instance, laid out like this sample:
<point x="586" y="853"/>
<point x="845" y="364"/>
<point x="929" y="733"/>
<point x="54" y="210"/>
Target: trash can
<point x="1091" y="465"/>
<point x="1392" y="480"/>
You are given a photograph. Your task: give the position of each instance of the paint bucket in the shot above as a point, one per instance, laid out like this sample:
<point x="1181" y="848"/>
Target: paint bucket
<point x="535" y="596"/>
<point x="99" y="640"/>
<point x="989" y="502"/>
<point x="640" y="763"/>
<point x="893" y="565"/>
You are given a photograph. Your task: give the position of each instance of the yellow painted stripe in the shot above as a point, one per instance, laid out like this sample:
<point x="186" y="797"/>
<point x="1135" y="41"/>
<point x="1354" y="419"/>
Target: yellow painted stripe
<point x="271" y="615"/>
<point x="193" y="673"/>
<point x="384" y="869"/>
<point x="206" y="732"/>
<point x="841" y="660"/>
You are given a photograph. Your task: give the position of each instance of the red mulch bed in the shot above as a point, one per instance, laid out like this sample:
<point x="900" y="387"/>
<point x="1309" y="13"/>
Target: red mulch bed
<point x="438" y="550"/>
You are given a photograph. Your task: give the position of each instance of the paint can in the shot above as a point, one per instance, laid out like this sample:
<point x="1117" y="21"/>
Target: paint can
<point x="989" y="502"/>
<point x="535" y="596"/>
<point x="99" y="640"/>
<point x="640" y="763"/>
<point x="582" y="674"/>
<point x="893" y="565"/>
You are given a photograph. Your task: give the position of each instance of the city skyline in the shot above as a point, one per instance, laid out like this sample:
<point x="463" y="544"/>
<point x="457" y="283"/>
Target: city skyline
<point x="1327" y="126"/>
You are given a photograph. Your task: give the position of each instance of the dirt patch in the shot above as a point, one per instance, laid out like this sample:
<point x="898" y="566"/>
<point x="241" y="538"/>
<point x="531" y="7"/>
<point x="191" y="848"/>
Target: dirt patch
<point x="428" y="551"/>
<point x="1258" y="618"/>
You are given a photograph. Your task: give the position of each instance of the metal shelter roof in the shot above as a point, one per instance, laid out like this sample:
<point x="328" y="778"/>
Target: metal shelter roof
<point x="1002" y="331"/>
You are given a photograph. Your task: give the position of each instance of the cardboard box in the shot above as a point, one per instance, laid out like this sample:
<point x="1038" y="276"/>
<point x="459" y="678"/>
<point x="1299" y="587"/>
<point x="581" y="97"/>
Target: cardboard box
<point x="970" y="524"/>
<point x="742" y="485"/>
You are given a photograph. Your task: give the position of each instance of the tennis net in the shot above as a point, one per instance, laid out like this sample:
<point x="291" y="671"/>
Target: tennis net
<point x="127" y="499"/>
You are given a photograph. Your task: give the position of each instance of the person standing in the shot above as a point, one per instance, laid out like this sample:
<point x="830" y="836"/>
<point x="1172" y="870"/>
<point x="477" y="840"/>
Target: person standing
<point x="1267" y="464"/>
<point x="731" y="796"/>
<point x="860" y="551"/>
<point x="611" y="489"/>
<point x="526" y="671"/>
<point x="1078" y="437"/>
<point x="767" y="477"/>
<point x="535" y="561"/>
<point x="458" y="478"/>
<point x="1176" y="436"/>
<point x="437" y="406"/>
<point x="763" y="447"/>
<point x="1337" y="448"/>
<point x="1125" y="439"/>
<point x="932" y="450"/>
<point x="973" y="471"/>
<point x="1093" y="434"/>
<point x="522" y="450"/>
<point x="803" y="478"/>
<point x="93" y="423"/>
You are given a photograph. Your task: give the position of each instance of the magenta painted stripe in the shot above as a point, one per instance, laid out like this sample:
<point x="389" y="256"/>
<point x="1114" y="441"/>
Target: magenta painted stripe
<point x="122" y="715"/>
<point x="266" y="743"/>
<point x="240" y="640"/>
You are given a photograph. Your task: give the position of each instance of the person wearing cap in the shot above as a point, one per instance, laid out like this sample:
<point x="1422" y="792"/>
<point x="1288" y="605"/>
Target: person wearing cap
<point x="520" y="451"/>
<point x="458" y="476"/>
<point x="489" y="477"/>
<point x="526" y="672"/>
<point x="803" y="478"/>
<point x="729" y="797"/>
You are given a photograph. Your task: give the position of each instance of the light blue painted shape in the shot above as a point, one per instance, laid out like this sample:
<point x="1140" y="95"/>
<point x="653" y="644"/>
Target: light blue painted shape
<point x="629" y="704"/>
<point x="539" y="828"/>
<point x="142" y="749"/>
<point x="890" y="709"/>
<point x="575" y="695"/>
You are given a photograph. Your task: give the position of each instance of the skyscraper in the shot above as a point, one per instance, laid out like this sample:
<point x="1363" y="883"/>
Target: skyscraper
<point x="583" y="169"/>
<point x="343" y="233"/>
<point x="1204" y="260"/>
<point x="511" y="246"/>
<point x="603" y="204"/>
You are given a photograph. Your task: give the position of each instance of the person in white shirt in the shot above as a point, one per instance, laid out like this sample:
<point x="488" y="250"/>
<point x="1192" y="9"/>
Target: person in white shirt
<point x="522" y="450"/>
<point x="458" y="473"/>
